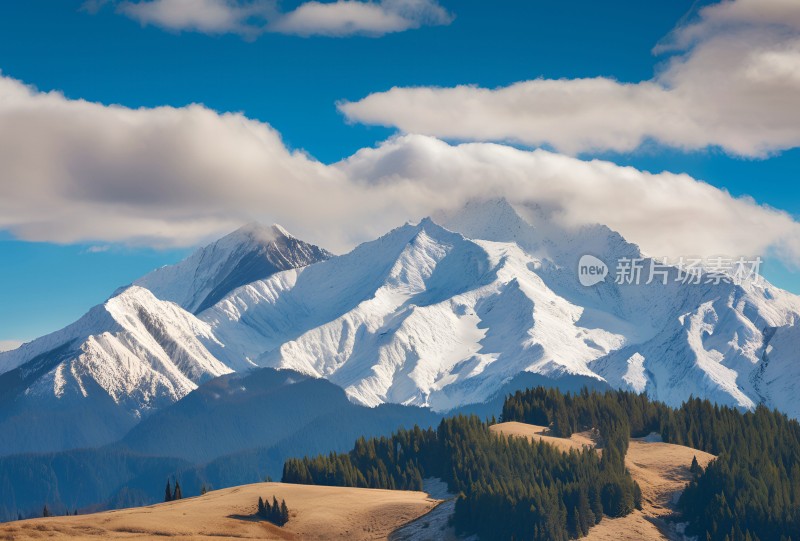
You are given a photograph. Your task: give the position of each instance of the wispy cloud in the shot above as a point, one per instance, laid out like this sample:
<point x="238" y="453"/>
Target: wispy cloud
<point x="733" y="82"/>
<point x="347" y="17"/>
<point x="97" y="249"/>
<point x="8" y="345"/>
<point x="75" y="171"/>
<point x="251" y="18"/>
<point x="208" y="16"/>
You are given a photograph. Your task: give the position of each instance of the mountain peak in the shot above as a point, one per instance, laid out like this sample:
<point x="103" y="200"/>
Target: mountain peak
<point x="252" y="252"/>
<point x="487" y="219"/>
<point x="432" y="227"/>
<point x="256" y="232"/>
<point x="536" y="230"/>
<point x="280" y="230"/>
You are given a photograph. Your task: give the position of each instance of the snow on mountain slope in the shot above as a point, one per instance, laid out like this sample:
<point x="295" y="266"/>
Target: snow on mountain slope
<point x="777" y="377"/>
<point x="139" y="350"/>
<point x="130" y="356"/>
<point x="250" y="253"/>
<point x="420" y="316"/>
<point x="707" y="340"/>
<point x="136" y="353"/>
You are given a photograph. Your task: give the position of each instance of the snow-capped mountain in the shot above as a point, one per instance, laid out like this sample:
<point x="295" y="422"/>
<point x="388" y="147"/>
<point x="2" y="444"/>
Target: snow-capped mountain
<point x="441" y="313"/>
<point x="420" y="316"/>
<point x="250" y="253"/>
<point x="712" y="340"/>
<point x="91" y="382"/>
<point x="430" y="317"/>
<point x="136" y="352"/>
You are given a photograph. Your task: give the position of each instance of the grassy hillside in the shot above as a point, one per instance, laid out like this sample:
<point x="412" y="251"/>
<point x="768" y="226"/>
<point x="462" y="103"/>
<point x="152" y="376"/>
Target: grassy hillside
<point x="315" y="513"/>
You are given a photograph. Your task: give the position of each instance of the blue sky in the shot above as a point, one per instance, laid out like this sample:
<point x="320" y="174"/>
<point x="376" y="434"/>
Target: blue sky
<point x="293" y="83"/>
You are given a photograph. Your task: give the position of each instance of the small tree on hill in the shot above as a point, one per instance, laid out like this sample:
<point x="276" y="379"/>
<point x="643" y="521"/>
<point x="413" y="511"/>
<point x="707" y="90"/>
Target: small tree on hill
<point x="177" y="495"/>
<point x="46" y="512"/>
<point x="168" y="492"/>
<point x="695" y="468"/>
<point x="284" y="513"/>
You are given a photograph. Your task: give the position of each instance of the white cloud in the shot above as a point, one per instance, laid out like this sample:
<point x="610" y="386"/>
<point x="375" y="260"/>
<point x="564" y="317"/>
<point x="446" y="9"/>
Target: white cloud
<point x="209" y="16"/>
<point x="666" y="214"/>
<point x="74" y="170"/>
<point x="97" y="249"/>
<point x="734" y="85"/>
<point x="347" y="17"/>
<point x="251" y="18"/>
<point x="79" y="171"/>
<point x="8" y="345"/>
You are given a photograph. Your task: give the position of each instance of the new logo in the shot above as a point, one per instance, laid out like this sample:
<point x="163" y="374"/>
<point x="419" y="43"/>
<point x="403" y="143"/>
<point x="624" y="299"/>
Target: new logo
<point x="591" y="271"/>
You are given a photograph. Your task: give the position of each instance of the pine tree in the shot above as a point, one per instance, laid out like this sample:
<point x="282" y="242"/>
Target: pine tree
<point x="168" y="492"/>
<point x="177" y="495"/>
<point x="596" y="504"/>
<point x="284" y="513"/>
<point x="586" y="518"/>
<point x="262" y="511"/>
<point x="46" y="511"/>
<point x="695" y="468"/>
<point x="203" y="490"/>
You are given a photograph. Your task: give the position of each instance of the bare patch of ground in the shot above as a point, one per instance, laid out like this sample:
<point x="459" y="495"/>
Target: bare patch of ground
<point x="434" y="526"/>
<point x="578" y="440"/>
<point x="317" y="513"/>
<point x="662" y="471"/>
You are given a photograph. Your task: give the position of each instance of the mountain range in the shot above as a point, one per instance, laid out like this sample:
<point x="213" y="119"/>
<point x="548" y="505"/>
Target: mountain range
<point x="439" y="314"/>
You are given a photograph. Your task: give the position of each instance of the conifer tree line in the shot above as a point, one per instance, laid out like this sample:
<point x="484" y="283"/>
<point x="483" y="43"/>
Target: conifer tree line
<point x="511" y="488"/>
<point x="751" y="492"/>
<point x="273" y="512"/>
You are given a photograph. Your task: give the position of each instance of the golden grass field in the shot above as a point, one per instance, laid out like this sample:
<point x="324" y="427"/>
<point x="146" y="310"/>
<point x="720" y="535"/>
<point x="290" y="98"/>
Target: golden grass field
<point x="535" y="432"/>
<point x="316" y="513"/>
<point x="662" y="471"/>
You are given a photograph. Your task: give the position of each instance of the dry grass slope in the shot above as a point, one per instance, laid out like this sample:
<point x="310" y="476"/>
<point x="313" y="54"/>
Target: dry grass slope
<point x="533" y="432"/>
<point x="662" y="471"/>
<point x="317" y="513"/>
